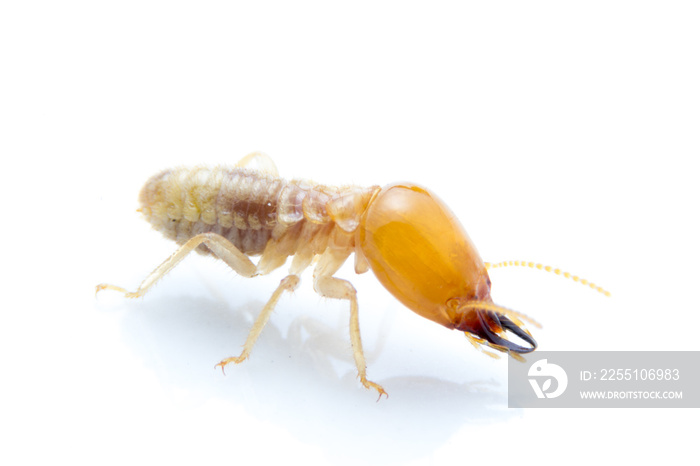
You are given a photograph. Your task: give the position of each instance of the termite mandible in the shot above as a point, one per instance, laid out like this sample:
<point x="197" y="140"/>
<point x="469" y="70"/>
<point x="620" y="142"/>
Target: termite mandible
<point x="403" y="232"/>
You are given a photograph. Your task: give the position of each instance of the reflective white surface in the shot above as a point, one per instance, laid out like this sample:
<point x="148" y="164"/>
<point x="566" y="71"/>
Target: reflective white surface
<point x="564" y="135"/>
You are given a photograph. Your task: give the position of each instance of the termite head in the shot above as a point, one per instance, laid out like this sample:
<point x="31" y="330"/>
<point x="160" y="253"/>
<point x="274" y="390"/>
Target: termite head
<point x="422" y="255"/>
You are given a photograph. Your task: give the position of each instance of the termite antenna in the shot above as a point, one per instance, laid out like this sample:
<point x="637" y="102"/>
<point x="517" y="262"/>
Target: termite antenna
<point x="548" y="268"/>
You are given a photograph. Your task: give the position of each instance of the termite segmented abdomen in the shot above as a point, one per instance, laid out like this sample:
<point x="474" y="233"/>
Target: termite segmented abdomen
<point x="247" y="200"/>
<point x="237" y="204"/>
<point x="248" y="207"/>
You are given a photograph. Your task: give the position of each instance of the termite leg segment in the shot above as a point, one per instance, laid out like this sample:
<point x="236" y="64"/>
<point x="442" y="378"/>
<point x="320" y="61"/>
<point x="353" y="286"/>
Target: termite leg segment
<point x="288" y="283"/>
<point x="220" y="246"/>
<point x="263" y="161"/>
<point x="331" y="287"/>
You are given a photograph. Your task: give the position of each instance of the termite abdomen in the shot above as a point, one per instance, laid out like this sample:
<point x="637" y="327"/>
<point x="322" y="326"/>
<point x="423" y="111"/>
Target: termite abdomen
<point x="238" y="204"/>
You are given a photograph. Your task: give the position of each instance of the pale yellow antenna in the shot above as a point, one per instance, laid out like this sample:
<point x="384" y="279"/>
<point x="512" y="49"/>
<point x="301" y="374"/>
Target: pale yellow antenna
<point x="547" y="268"/>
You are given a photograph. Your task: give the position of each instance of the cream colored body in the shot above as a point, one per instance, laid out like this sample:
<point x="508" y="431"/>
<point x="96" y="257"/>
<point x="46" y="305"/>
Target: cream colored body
<point x="256" y="211"/>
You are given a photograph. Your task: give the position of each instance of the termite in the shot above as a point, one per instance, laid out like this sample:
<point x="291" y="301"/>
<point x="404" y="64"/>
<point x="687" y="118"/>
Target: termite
<point x="403" y="232"/>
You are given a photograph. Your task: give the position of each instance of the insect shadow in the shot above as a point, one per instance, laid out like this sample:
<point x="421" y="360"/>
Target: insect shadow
<point x="301" y="376"/>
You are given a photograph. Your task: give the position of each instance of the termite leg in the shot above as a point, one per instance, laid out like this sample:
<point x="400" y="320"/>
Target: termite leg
<point x="263" y="161"/>
<point x="270" y="260"/>
<point x="330" y="287"/>
<point x="220" y="246"/>
<point x="288" y="283"/>
<point x="239" y="262"/>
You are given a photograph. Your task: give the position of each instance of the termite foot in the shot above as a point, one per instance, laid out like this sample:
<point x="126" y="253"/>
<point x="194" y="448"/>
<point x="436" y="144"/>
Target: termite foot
<point x="127" y="294"/>
<point x="100" y="287"/>
<point x="225" y="362"/>
<point x="368" y="384"/>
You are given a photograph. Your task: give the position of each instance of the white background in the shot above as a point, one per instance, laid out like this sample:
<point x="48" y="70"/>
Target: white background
<point x="565" y="134"/>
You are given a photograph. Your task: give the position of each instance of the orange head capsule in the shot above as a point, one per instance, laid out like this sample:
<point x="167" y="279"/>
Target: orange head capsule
<point x="421" y="253"/>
